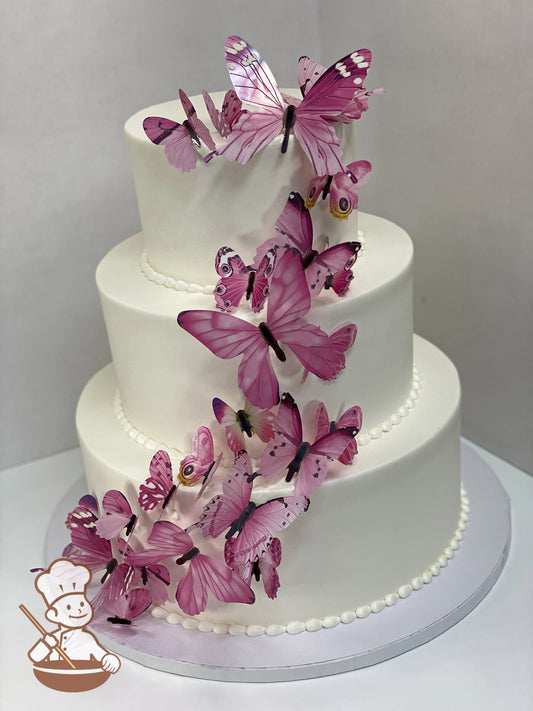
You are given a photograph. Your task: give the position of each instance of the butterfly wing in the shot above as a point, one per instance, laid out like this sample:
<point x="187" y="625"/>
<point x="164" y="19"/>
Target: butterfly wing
<point x="254" y="84"/>
<point x="89" y="548"/>
<point x="223" y="510"/>
<point x="281" y="450"/>
<point x="295" y="224"/>
<point x="268" y="565"/>
<point x="261" y="421"/>
<point x="228" y="418"/>
<point x="234" y="279"/>
<point x="308" y="73"/>
<point x="85" y="514"/>
<point x="130" y="605"/>
<point x="315" y="187"/>
<point x="343" y="194"/>
<point x="269" y="518"/>
<point x="159" y="484"/>
<point x="197" y="464"/>
<point x="341" y="257"/>
<point x="176" y="140"/>
<point x="117" y="515"/>
<point x="197" y="126"/>
<point x="322" y="420"/>
<point x="263" y="275"/>
<point x="351" y="418"/>
<point x="167" y="540"/>
<point x="204" y="574"/>
<point x="313" y="469"/>
<point x="227" y="337"/>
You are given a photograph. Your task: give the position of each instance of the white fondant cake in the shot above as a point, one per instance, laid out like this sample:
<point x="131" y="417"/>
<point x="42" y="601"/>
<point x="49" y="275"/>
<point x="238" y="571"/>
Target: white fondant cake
<point x="374" y="526"/>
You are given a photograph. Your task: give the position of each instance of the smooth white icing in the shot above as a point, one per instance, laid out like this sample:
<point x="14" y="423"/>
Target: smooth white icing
<point x="184" y="216"/>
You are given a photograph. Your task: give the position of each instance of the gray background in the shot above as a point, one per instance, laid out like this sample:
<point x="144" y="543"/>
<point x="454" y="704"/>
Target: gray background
<point x="449" y="142"/>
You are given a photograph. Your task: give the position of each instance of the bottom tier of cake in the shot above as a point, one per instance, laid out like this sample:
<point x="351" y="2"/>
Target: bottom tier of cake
<point x="370" y="530"/>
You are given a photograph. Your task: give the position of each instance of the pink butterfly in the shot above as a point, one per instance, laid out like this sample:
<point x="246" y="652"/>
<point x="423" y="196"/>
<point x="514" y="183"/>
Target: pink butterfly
<point x="343" y="338"/>
<point x="159" y="487"/>
<point x="128" y="606"/>
<point x="204" y="574"/>
<point x="117" y="515"/>
<point x="231" y="112"/>
<point x="310" y="71"/>
<point x="228" y="336"/>
<point x="295" y="230"/>
<point x="85" y="514"/>
<point x="265" y="566"/>
<point x="179" y="139"/>
<point x="237" y="279"/>
<point x="154" y="578"/>
<point x="247" y="421"/>
<point x="201" y="464"/>
<point x="342" y="189"/>
<point x="351" y="418"/>
<point x="310" y="119"/>
<point x="232" y="511"/>
<point x="288" y="452"/>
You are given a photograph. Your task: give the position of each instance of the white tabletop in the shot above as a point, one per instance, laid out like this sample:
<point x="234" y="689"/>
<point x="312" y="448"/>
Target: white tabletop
<point x="485" y="662"/>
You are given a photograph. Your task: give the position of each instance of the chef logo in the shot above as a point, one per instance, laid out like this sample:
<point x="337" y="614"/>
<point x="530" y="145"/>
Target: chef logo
<point x="68" y="657"/>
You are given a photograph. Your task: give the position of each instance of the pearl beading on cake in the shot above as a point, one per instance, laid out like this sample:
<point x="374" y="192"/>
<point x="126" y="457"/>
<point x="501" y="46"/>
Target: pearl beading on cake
<point x="363" y="438"/>
<point x="193" y="288"/>
<point x="330" y="621"/>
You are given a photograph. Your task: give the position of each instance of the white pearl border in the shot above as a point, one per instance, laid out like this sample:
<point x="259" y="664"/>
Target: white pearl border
<point x="363" y="438"/>
<point x="181" y="285"/>
<point x="330" y="621"/>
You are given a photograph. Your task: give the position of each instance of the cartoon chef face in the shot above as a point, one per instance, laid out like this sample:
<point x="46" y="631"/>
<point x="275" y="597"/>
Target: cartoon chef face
<point x="71" y="611"/>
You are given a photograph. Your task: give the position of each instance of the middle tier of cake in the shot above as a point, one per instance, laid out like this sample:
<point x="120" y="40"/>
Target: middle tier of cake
<point x="167" y="379"/>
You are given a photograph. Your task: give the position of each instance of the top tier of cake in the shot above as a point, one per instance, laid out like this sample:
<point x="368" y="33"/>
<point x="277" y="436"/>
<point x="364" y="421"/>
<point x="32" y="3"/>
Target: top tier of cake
<point x="187" y="217"/>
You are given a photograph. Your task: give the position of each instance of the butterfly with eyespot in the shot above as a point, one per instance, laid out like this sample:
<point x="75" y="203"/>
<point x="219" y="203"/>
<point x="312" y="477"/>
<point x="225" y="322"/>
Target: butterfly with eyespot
<point x="310" y="119"/>
<point x="288" y="454"/>
<point x="249" y="420"/>
<point x="201" y="463"/>
<point x="295" y="231"/>
<point x="180" y="139"/>
<point x="342" y="189"/>
<point x="228" y="336"/>
<point x="254" y="525"/>
<point x="237" y="280"/>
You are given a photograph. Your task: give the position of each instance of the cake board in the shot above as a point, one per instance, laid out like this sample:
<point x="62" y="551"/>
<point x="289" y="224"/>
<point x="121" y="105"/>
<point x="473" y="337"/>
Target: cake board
<point x="417" y="619"/>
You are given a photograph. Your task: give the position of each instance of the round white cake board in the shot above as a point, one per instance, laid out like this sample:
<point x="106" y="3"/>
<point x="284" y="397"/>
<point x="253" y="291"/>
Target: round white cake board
<point x="413" y="621"/>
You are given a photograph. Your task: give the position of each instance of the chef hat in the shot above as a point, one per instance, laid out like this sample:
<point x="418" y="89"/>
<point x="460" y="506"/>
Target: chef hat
<point x="62" y="578"/>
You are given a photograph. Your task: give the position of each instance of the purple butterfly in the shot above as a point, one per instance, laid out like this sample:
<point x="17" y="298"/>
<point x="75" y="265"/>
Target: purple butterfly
<point x="310" y="71"/>
<point x="310" y="119"/>
<point x="248" y="420"/>
<point x="117" y="515"/>
<point x="205" y="574"/>
<point x="352" y="418"/>
<point x="287" y="452"/>
<point x="201" y="463"/>
<point x="237" y="279"/>
<point x="85" y="514"/>
<point x="264" y="567"/>
<point x="232" y="511"/>
<point x="342" y="189"/>
<point x="343" y="338"/>
<point x="159" y="487"/>
<point x="295" y="229"/>
<point x="154" y="578"/>
<point x="179" y="139"/>
<point x="128" y="606"/>
<point x="228" y="336"/>
<point x="231" y="112"/>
